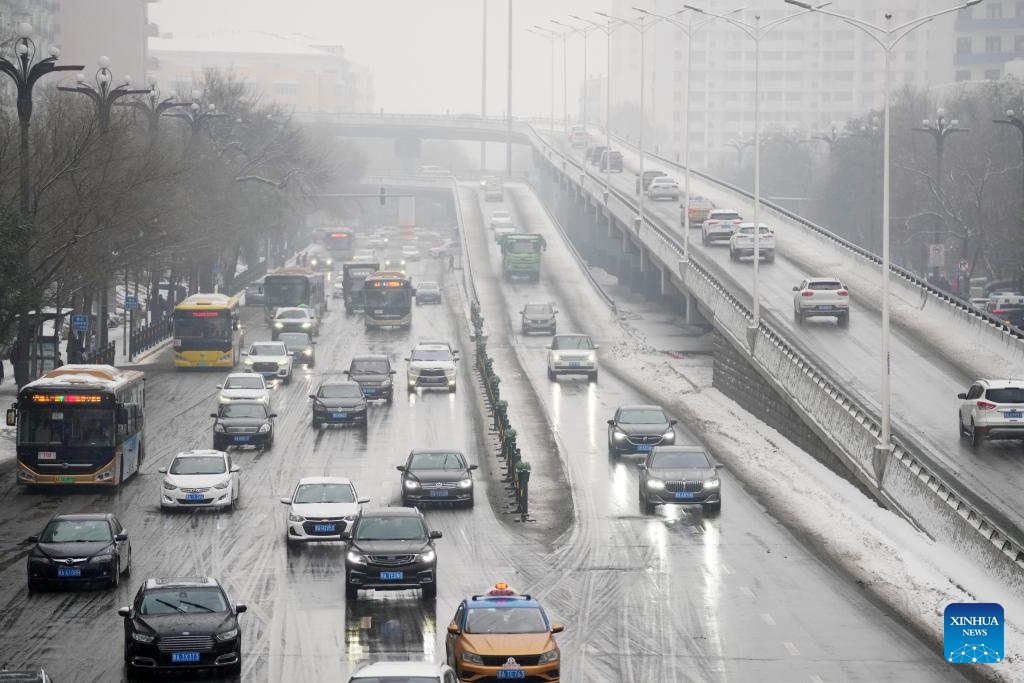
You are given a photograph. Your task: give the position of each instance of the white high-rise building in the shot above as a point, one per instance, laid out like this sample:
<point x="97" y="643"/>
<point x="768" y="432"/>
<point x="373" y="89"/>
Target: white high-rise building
<point x="815" y="70"/>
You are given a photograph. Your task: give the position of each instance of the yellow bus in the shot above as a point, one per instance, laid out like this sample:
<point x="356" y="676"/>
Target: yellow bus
<point x="207" y="332"/>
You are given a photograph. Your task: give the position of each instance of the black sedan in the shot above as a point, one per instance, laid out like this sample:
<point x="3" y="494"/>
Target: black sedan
<point x="300" y="346"/>
<point x="428" y="293"/>
<point x="79" y="549"/>
<point x="243" y="423"/>
<point x="638" y="429"/>
<point x="680" y="475"/>
<point x="437" y="476"/>
<point x="339" y="403"/>
<point x="390" y="549"/>
<point x="184" y="623"/>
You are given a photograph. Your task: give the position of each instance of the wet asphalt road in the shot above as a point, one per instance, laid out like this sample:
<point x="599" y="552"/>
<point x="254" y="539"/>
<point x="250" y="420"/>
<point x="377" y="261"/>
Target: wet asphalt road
<point x="674" y="597"/>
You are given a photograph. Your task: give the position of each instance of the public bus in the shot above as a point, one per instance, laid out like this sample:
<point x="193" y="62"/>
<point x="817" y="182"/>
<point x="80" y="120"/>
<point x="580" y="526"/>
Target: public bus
<point x="80" y="424"/>
<point x="387" y="300"/>
<point x="208" y="332"/>
<point x="294" y="286"/>
<point x="340" y="244"/>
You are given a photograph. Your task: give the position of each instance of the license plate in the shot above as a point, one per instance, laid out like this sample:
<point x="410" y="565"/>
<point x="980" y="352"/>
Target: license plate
<point x="324" y="528"/>
<point x="47" y="455"/>
<point x="241" y="439"/>
<point x="193" y="497"/>
<point x="574" y="364"/>
<point x="392" y="576"/>
<point x="644" y="448"/>
<point x="338" y="416"/>
<point x="369" y="391"/>
<point x="66" y="480"/>
<point x="684" y="495"/>
<point x="511" y="674"/>
<point x="439" y="493"/>
<point x="182" y="657"/>
<point x="824" y="308"/>
<point x="1013" y="414"/>
<point x="69" y="571"/>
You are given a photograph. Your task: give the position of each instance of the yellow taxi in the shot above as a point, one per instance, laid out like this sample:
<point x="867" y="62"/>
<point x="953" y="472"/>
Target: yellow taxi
<point x="503" y="636"/>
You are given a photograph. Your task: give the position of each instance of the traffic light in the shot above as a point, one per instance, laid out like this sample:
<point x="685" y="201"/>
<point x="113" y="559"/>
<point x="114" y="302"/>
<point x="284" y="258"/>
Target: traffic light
<point x="383" y="196"/>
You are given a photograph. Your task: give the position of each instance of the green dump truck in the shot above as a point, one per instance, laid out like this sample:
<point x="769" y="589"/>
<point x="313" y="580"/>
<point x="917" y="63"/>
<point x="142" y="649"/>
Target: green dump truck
<point x="520" y="255"/>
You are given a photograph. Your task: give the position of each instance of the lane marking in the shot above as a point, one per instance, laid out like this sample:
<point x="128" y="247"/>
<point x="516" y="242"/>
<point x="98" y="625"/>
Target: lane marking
<point x="746" y="591"/>
<point x="791" y="649"/>
<point x="726" y="568"/>
<point x="816" y="679"/>
<point x="767" y="618"/>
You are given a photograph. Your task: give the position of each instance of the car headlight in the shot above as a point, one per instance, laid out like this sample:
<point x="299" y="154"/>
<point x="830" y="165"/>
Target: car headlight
<point x="249" y="361"/>
<point x="410" y="484"/>
<point x="465" y="483"/>
<point x="143" y="638"/>
<point x="313" y="262"/>
<point x="305" y="325"/>
<point x="549" y="656"/>
<point x="307" y="352"/>
<point x="472" y="658"/>
<point x="428" y="556"/>
<point x="169" y="486"/>
<point x="292" y="517"/>
<point x="655" y="484"/>
<point x="669" y="434"/>
<point x="230" y="634"/>
<point x="330" y="261"/>
<point x="222" y="485"/>
<point x="591" y="356"/>
<point x="218" y="427"/>
<point x="278" y="325"/>
<point x="355" y="558"/>
<point x="106" y="557"/>
<point x="712" y="483"/>
<point x="264" y="428"/>
<point x="618" y="435"/>
<point x="225" y="399"/>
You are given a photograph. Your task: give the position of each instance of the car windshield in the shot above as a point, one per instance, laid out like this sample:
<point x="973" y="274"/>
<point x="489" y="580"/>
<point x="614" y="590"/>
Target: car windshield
<point x="437" y="461"/>
<point x="247" y="382"/>
<point x="537" y="309"/>
<point x="724" y="215"/>
<point x="365" y="367"/>
<point x="1005" y="395"/>
<point x="243" y="410"/>
<point x="324" y="493"/>
<point x="428" y="287"/>
<point x="505" y="620"/>
<point x="824" y="286"/>
<point x="76" y="531"/>
<point x="430" y="354"/>
<point x="268" y="350"/>
<point x="395" y="679"/>
<point x="661" y="180"/>
<point x="294" y="314"/>
<point x="206" y="464"/>
<point x="643" y="416"/>
<point x="501" y="216"/>
<point x="182" y="601"/>
<point x="680" y="461"/>
<point x="390" y="528"/>
<point x="574" y="342"/>
<point x="340" y="391"/>
<point x="294" y="339"/>
<point x="749" y="230"/>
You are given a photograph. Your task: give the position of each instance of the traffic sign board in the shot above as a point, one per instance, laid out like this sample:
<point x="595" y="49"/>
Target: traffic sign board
<point x="131" y="302"/>
<point x="80" y="322"/>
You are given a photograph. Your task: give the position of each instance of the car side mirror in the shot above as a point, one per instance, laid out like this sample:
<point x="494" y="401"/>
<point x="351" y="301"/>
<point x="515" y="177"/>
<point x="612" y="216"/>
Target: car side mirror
<point x="400" y="468"/>
<point x="124" y="611"/>
<point x="312" y="343"/>
<point x="272" y="415"/>
<point x="611" y="422"/>
<point x="392" y="372"/>
<point x="719" y="466"/>
<point x="12" y="417"/>
<point x="33" y="539"/>
<point x="364" y="499"/>
<point x="213" y="415"/>
<point x="453" y="629"/>
<point x="673" y="423"/>
<point x="962" y="396"/>
<point x="348" y="372"/>
<point x="240" y="608"/>
<point x="220" y="386"/>
<point x="245" y="353"/>
<point x="406" y="360"/>
<point x="474" y="467"/>
<point x="286" y="501"/>
<point x="596" y="347"/>
<point x="557" y="628"/>
<point x="434" y="534"/>
<point x="161" y="470"/>
<point x="313" y="396"/>
<point x="236" y="468"/>
<point x="642" y="466"/>
<point x="796" y="289"/>
<point x="346" y="535"/>
<point x="120" y="538"/>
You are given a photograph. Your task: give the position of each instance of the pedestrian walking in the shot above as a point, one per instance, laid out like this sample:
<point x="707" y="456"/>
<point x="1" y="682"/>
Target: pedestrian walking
<point x="451" y="262"/>
<point x="92" y="342"/>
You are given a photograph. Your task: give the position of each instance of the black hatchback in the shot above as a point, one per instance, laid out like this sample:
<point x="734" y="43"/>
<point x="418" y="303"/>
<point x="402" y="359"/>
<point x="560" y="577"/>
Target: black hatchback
<point x="390" y="549"/>
<point x="186" y="623"/>
<point x="79" y="549"/>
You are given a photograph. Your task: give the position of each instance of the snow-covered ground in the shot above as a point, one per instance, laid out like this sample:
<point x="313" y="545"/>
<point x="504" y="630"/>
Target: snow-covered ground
<point x="881" y="553"/>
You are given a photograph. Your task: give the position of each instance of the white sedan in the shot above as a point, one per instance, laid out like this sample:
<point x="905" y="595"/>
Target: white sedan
<point x="320" y="508"/>
<point x="244" y="386"/>
<point x="501" y="218"/>
<point x="202" y="478"/>
<point x="821" y="296"/>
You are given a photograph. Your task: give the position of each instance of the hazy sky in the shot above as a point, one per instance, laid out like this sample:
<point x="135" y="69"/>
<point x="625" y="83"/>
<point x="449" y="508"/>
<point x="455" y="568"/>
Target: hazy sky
<point x="424" y="54"/>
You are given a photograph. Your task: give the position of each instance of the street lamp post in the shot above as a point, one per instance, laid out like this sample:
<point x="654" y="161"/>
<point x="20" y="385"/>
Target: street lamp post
<point x="830" y="138"/>
<point x="483" y="88"/>
<point x="607" y="29"/>
<point x="196" y="116"/>
<point x="152" y="107"/>
<point x="584" y="31"/>
<point x="102" y="95"/>
<point x="1014" y="119"/>
<point x="886" y="37"/>
<point x="550" y="35"/>
<point x="939" y="129"/>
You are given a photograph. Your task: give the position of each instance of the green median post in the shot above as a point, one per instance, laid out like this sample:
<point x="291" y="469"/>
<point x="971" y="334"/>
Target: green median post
<point x="495" y="391"/>
<point x="523" y="488"/>
<point x="500" y="416"/>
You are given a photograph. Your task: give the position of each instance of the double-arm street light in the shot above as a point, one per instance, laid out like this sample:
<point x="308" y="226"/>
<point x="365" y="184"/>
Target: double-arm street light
<point x="756" y="31"/>
<point x="688" y="29"/>
<point x="196" y="115"/>
<point x="102" y="95"/>
<point x="1014" y="119"/>
<point x="609" y="25"/>
<point x="887" y="37"/>
<point x="584" y="31"/>
<point x="940" y="129"/>
<point x="152" y="107"/>
<point x="551" y="36"/>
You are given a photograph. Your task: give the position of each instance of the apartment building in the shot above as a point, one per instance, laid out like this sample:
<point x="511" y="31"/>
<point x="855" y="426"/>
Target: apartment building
<point x="989" y="41"/>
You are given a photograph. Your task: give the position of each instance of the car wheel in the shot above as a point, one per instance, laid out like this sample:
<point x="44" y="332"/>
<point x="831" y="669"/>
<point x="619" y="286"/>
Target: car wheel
<point x="351" y="590"/>
<point x="611" y="450"/>
<point x="551" y="374"/>
<point x="770" y="258"/>
<point x="798" y="316"/>
<point x="269" y="444"/>
<point x="137" y="673"/>
<point x="34" y="586"/>
<point x="430" y="591"/>
<point x="128" y="567"/>
<point x="405" y="502"/>
<point x="704" y="239"/>
<point x="592" y="377"/>
<point x="288" y="378"/>
<point x="960" y="426"/>
<point x="451" y="388"/>
<point x="316" y="423"/>
<point x="976" y="437"/>
<point x="470" y="502"/>
<point x="645" y="506"/>
<point x="236" y="668"/>
<point x="732" y="254"/>
<point x="115" y="574"/>
<point x="522" y="330"/>
<point x="712" y="508"/>
<point x="311" y="364"/>
<point x="554" y="329"/>
<point x="844" y="320"/>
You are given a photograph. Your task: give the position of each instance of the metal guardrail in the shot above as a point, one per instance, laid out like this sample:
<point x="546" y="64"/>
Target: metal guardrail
<point x="149" y="336"/>
<point x="918" y="468"/>
<point x="247" y="277"/>
<point x="103" y="355"/>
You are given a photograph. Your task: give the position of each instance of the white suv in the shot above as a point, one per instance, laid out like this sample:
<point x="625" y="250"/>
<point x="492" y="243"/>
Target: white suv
<point x="821" y="296"/>
<point x="432" y="365"/>
<point x="270" y="359"/>
<point x="244" y="386"/>
<point x="572" y="354"/>
<point x="204" y="478"/>
<point x="425" y="672"/>
<point x="992" y="409"/>
<point x="719" y="225"/>
<point x="295" y="319"/>
<point x="320" y="508"/>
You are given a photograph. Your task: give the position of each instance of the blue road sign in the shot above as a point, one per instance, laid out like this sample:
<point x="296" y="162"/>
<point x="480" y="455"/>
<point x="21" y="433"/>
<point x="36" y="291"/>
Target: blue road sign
<point x="131" y="302"/>
<point x="80" y="322"/>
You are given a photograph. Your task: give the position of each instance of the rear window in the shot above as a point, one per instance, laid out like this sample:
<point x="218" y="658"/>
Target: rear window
<point x="723" y="215"/>
<point x="1005" y="395"/>
<point x="824" y="286"/>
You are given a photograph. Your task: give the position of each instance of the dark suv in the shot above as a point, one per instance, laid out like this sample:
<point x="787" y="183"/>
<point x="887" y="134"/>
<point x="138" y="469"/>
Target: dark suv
<point x="373" y="374"/>
<point x="182" y="624"/>
<point x="611" y="161"/>
<point x="594" y="154"/>
<point x="679" y="474"/>
<point x="390" y="549"/>
<point x="243" y="423"/>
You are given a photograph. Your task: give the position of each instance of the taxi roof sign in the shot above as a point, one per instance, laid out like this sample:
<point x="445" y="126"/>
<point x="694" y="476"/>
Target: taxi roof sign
<point x="501" y="590"/>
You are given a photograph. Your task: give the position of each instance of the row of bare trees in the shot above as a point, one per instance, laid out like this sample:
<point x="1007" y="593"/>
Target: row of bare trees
<point x="223" y="182"/>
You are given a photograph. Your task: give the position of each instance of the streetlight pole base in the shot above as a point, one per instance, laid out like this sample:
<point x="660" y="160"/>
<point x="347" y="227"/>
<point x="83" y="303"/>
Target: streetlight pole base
<point x="752" y="334"/>
<point x="880" y="460"/>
